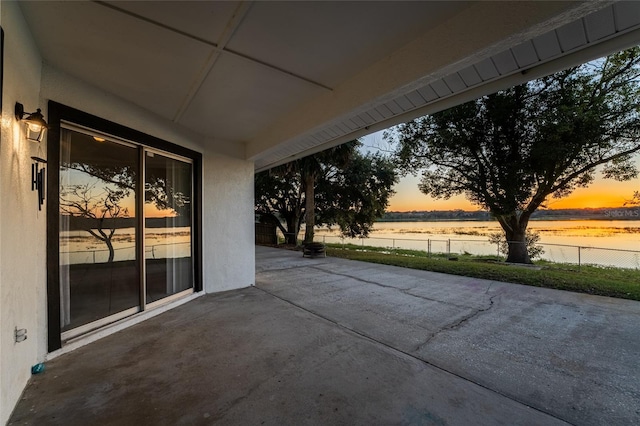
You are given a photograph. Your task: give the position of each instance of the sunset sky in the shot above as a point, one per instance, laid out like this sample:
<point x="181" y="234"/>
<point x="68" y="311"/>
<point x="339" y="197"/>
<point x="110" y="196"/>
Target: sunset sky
<point x="602" y="193"/>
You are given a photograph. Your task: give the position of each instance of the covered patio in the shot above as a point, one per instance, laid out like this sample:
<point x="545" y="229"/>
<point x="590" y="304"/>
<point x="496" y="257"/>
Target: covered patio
<point x="204" y="94"/>
<point x="332" y="341"/>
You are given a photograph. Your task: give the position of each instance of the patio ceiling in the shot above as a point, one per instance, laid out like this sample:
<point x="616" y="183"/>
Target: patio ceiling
<point x="285" y="79"/>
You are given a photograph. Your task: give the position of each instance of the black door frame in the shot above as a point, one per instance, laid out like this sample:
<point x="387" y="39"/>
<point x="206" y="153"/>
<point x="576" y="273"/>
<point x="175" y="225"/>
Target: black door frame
<point x="57" y="113"/>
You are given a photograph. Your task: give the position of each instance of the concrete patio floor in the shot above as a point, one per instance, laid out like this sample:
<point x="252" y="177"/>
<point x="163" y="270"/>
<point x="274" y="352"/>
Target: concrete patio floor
<point x="338" y="342"/>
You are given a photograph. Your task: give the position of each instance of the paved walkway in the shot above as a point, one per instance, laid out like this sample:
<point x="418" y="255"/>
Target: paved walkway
<point x="332" y="341"/>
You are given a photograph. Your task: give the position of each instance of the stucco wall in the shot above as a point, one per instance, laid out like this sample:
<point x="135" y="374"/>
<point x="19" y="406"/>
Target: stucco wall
<point x="22" y="228"/>
<point x="228" y="243"/>
<point x="228" y="239"/>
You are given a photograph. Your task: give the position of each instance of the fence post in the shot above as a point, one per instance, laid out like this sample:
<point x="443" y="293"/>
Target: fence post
<point x="449" y="247"/>
<point x="94" y="256"/>
<point x="579" y="260"/>
<point x="394" y="243"/>
<point x="429" y="248"/>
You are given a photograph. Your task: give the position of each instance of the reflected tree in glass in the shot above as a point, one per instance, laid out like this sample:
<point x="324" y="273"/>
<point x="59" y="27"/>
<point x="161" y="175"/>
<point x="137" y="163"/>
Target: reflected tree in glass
<point x="100" y="204"/>
<point x="97" y="205"/>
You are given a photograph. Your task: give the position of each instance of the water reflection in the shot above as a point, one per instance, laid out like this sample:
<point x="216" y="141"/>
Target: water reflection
<point x="563" y="241"/>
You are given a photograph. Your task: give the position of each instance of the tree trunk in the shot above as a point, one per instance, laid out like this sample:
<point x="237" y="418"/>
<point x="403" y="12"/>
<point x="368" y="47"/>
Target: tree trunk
<point x="102" y="236"/>
<point x="515" y="231"/>
<point x="293" y="226"/>
<point x="310" y="208"/>
<point x="111" y="250"/>
<point x="517" y="243"/>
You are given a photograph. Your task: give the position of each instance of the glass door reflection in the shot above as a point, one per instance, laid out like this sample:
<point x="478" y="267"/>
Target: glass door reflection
<point x="168" y="226"/>
<point x="99" y="275"/>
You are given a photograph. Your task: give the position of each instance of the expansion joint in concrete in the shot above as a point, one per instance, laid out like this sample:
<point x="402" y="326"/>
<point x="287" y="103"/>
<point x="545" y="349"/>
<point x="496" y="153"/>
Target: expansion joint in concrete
<point x="406" y="291"/>
<point x="286" y="268"/>
<point x="353" y="277"/>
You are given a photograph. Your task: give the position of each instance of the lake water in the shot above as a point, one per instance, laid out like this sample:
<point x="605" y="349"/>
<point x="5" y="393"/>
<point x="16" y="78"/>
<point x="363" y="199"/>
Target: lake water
<point x="601" y="242"/>
<point x="160" y="243"/>
<point x="592" y="236"/>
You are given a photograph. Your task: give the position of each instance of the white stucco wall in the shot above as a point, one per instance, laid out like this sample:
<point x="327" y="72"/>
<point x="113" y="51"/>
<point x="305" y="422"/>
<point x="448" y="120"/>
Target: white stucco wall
<point x="22" y="228"/>
<point x="228" y="223"/>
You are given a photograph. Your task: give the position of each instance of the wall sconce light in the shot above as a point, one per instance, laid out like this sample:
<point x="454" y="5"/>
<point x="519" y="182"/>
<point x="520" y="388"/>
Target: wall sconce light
<point x="35" y="125"/>
<point x="38" y="179"/>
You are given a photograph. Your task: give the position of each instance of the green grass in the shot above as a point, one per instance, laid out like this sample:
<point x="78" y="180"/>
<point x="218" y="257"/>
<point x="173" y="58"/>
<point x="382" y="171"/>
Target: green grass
<point x="604" y="281"/>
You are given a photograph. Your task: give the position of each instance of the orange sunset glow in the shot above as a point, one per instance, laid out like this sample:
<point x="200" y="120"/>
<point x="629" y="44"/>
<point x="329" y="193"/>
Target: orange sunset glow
<point x="601" y="193"/>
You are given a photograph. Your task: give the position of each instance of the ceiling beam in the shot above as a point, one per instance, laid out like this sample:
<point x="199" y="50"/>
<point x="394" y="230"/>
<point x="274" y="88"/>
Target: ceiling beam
<point x="234" y="22"/>
<point x="215" y="46"/>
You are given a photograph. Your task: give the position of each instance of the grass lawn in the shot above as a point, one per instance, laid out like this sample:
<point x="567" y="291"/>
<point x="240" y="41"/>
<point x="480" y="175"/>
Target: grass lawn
<point x="604" y="281"/>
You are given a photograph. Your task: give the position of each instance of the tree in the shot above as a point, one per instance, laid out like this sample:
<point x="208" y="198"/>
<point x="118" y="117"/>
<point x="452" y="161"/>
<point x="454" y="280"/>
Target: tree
<point x="510" y="151"/>
<point x="337" y="187"/>
<point x="100" y="198"/>
<point x="531" y="240"/>
<point x="279" y="198"/>
<point x="357" y="195"/>
<point x="314" y="167"/>
<point x="103" y="207"/>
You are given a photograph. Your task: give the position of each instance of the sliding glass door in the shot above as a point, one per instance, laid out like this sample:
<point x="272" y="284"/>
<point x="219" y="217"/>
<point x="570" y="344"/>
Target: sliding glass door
<point x="125" y="229"/>
<point x="99" y="275"/>
<point x="168" y="218"/>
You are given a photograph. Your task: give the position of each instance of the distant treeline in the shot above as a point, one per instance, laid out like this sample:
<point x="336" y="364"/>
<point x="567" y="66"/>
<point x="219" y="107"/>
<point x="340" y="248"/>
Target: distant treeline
<point x="77" y="223"/>
<point x="618" y="213"/>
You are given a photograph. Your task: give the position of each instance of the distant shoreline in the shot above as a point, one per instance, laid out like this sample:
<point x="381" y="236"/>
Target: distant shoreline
<point x="535" y="219"/>
<point x="614" y="213"/>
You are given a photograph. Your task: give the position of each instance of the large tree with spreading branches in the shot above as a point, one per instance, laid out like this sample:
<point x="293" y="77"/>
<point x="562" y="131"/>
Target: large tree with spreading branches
<point x="511" y="151"/>
<point x="340" y="186"/>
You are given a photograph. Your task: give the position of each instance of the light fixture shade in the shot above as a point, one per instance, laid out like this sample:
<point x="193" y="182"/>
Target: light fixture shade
<point x="35" y="124"/>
